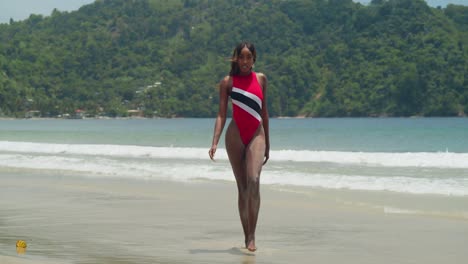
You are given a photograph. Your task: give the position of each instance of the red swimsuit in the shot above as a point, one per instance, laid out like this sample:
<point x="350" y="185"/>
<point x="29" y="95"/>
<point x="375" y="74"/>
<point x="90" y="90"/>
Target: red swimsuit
<point x="246" y="97"/>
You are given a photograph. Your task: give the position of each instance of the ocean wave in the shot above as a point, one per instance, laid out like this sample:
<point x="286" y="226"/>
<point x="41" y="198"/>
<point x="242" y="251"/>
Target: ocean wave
<point x="186" y="164"/>
<point x="414" y="185"/>
<point x="144" y="169"/>
<point x="381" y="159"/>
<point x="394" y="159"/>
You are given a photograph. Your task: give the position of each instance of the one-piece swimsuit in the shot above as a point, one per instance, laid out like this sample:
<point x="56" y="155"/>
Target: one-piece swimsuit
<point x="246" y="97"/>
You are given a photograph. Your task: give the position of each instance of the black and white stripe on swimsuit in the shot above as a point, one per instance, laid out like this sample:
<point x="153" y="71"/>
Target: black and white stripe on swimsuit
<point x="249" y="102"/>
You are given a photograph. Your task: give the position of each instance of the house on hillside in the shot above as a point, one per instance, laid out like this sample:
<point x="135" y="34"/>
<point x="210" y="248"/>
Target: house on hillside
<point x="79" y="114"/>
<point x="135" y="113"/>
<point x="32" y="114"/>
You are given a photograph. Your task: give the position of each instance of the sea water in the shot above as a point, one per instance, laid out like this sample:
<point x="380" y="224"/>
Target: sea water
<point x="420" y="163"/>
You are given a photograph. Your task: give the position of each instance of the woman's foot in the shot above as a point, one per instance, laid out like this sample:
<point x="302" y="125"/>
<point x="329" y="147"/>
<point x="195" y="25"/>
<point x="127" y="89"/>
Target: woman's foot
<point x="251" y="246"/>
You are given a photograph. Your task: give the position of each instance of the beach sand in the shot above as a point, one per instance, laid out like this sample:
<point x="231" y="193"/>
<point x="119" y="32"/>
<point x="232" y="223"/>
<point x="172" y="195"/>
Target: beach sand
<point x="66" y="219"/>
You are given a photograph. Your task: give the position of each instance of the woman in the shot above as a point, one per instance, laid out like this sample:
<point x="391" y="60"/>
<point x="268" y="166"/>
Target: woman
<point x="247" y="136"/>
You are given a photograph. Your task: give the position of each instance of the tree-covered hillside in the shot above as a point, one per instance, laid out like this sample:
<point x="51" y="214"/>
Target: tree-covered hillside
<point x="165" y="57"/>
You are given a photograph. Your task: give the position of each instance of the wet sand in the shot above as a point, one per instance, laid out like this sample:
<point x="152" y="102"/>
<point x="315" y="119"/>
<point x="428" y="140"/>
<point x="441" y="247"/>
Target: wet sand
<point x="68" y="219"/>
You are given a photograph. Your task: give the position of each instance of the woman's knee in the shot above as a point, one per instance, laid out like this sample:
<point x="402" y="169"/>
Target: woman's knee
<point x="253" y="179"/>
<point x="253" y="185"/>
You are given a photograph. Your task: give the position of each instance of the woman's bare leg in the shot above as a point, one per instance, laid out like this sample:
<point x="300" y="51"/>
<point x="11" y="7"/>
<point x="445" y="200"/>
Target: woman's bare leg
<point x="236" y="153"/>
<point x="254" y="156"/>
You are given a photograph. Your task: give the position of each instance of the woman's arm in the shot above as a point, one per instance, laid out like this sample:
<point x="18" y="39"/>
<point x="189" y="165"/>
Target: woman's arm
<point x="265" y="118"/>
<point x="224" y="87"/>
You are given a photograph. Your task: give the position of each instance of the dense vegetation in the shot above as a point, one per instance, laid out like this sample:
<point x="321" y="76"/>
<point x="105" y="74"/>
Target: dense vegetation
<point x="165" y="57"/>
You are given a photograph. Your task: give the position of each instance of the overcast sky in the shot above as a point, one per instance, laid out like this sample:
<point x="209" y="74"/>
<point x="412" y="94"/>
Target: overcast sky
<point x="21" y="9"/>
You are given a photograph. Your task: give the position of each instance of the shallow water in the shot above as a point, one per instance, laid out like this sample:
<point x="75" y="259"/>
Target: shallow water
<point x="415" y="158"/>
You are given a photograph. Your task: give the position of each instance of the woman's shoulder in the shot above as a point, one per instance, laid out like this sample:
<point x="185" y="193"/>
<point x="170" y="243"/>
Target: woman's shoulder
<point x="226" y="80"/>
<point x="260" y="75"/>
<point x="262" y="79"/>
<point x="226" y="83"/>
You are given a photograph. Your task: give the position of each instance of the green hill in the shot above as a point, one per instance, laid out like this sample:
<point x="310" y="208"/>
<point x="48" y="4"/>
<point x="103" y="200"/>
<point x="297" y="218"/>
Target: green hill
<point x="165" y="57"/>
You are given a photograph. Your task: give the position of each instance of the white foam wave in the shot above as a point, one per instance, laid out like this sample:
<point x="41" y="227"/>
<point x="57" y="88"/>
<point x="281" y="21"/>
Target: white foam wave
<point x="410" y="159"/>
<point x="396" y="210"/>
<point x="104" y="150"/>
<point x="103" y="167"/>
<point x="403" y="184"/>
<point x="182" y="170"/>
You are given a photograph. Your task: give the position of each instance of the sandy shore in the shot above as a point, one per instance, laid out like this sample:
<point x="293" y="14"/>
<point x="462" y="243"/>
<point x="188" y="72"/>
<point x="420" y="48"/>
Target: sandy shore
<point x="66" y="219"/>
<point x="21" y="260"/>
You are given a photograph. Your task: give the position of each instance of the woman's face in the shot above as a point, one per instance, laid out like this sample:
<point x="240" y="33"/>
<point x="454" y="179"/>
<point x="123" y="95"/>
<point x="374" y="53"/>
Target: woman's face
<point x="245" y="61"/>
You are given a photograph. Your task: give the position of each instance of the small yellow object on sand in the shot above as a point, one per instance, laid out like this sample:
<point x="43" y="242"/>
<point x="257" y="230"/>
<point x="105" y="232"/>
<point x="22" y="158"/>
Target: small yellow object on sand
<point x="21" y="244"/>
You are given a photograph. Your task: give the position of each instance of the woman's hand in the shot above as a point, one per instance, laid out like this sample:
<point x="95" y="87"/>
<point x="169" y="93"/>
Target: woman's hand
<point x="267" y="155"/>
<point x="212" y="152"/>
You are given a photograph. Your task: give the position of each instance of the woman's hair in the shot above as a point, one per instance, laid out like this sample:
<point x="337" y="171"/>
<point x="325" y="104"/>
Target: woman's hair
<point x="237" y="50"/>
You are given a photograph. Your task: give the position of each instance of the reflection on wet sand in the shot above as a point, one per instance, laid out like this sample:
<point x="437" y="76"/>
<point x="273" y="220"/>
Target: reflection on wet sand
<point x="247" y="257"/>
